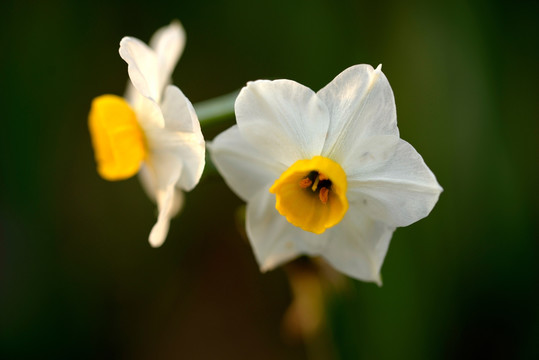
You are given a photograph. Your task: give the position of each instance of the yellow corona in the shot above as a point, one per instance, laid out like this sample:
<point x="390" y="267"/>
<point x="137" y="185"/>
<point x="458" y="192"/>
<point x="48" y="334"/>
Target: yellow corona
<point x="311" y="194"/>
<point x="118" y="141"/>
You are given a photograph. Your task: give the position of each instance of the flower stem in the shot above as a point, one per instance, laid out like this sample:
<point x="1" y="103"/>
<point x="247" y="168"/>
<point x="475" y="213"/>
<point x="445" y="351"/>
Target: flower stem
<point x="214" y="111"/>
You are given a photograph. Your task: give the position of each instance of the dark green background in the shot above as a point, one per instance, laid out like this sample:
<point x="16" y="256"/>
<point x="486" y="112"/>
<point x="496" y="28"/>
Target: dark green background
<point x="78" y="278"/>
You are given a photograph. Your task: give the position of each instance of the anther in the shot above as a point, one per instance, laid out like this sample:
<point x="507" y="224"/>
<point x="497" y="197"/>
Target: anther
<point x="318" y="182"/>
<point x="324" y="195"/>
<point x="305" y="183"/>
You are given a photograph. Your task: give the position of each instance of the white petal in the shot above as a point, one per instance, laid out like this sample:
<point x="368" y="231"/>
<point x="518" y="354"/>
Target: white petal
<point x="150" y="70"/>
<point x="148" y="181"/>
<point x="361" y="105"/>
<point x="182" y="124"/>
<point x="160" y="174"/>
<point x="245" y="169"/>
<point x="168" y="43"/>
<point x="394" y="185"/>
<point x="165" y="168"/>
<point x="169" y="201"/>
<point x="274" y="240"/>
<point x="370" y="153"/>
<point x="143" y="67"/>
<point x="283" y="119"/>
<point x="193" y="157"/>
<point x="178" y="112"/>
<point x="177" y="202"/>
<point x="358" y="245"/>
<point x="149" y="114"/>
<point x="179" y="150"/>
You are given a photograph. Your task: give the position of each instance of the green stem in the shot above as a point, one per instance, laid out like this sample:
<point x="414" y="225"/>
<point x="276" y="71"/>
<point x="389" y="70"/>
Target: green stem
<point x="214" y="111"/>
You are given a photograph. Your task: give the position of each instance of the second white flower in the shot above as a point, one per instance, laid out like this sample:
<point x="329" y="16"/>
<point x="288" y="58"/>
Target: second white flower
<point x="324" y="173"/>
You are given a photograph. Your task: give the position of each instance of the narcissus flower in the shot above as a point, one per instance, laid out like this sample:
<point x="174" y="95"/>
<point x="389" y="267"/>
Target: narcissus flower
<point x="324" y="173"/>
<point x="154" y="130"/>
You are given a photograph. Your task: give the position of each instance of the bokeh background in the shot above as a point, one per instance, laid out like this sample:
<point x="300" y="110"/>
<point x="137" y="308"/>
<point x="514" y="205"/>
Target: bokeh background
<point x="78" y="278"/>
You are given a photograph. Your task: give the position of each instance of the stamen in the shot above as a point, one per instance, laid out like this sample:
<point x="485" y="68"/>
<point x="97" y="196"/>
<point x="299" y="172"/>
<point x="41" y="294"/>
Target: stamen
<point x="324" y="195"/>
<point x="316" y="181"/>
<point x="305" y="183"/>
<point x="320" y="183"/>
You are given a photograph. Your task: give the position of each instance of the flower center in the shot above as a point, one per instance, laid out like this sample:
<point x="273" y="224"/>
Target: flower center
<point x="311" y="194"/>
<point x="118" y="141"/>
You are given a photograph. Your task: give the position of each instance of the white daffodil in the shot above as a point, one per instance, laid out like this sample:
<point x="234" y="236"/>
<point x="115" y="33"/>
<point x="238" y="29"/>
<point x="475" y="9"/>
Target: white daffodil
<point x="154" y="130"/>
<point x="324" y="173"/>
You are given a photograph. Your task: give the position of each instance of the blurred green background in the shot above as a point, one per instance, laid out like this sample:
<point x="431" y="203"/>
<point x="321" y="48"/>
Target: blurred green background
<point x="78" y="278"/>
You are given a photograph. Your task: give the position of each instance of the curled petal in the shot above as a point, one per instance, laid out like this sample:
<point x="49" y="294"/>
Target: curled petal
<point x="168" y="43"/>
<point x="160" y="177"/>
<point x="283" y="119"/>
<point x="150" y="68"/>
<point x="169" y="201"/>
<point x="245" y="169"/>
<point x="143" y="67"/>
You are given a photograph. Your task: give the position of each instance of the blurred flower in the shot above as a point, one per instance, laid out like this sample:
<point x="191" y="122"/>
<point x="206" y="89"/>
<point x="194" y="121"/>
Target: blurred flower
<point x="305" y="318"/>
<point x="312" y="283"/>
<point x="324" y="173"/>
<point x="153" y="130"/>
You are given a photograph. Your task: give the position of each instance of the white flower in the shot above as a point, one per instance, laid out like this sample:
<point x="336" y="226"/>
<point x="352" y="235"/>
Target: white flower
<point x="324" y="173"/>
<point x="153" y="131"/>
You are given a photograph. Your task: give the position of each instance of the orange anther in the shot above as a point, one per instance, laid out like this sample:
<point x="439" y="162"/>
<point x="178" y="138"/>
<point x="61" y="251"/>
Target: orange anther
<point x="322" y="177"/>
<point x="305" y="183"/>
<point x="324" y="195"/>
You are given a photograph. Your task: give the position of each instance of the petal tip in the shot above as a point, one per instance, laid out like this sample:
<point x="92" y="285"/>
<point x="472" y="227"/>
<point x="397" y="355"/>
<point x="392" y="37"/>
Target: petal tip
<point x="175" y="28"/>
<point x="156" y="241"/>
<point x="158" y="234"/>
<point x="267" y="266"/>
<point x="125" y="41"/>
<point x="176" y="23"/>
